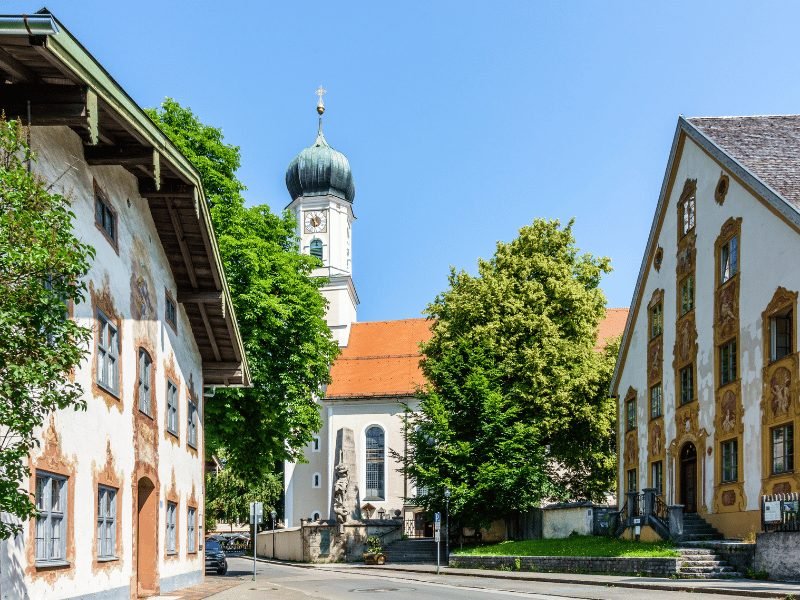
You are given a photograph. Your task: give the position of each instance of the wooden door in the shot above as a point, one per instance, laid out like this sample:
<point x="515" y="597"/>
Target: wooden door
<point x="689" y="478"/>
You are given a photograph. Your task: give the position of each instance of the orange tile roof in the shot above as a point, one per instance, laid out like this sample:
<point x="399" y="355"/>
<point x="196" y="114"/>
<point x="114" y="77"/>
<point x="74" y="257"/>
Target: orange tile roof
<point x="612" y="326"/>
<point x="382" y="357"/>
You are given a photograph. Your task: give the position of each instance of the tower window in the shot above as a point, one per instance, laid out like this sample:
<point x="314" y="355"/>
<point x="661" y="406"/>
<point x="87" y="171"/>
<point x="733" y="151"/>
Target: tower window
<point x="316" y="248"/>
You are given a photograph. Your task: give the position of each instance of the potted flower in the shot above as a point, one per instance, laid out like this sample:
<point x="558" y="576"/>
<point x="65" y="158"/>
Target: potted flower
<point x="374" y="554"/>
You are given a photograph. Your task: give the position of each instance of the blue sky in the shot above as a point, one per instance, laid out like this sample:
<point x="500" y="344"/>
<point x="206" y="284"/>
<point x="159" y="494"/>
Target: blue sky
<point x="463" y="121"/>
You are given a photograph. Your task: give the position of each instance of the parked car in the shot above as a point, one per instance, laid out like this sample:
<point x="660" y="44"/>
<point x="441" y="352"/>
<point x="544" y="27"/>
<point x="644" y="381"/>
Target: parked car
<point x="215" y="557"/>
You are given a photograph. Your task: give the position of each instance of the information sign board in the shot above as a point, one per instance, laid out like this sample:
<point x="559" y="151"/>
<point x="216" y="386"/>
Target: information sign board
<point x="772" y="511"/>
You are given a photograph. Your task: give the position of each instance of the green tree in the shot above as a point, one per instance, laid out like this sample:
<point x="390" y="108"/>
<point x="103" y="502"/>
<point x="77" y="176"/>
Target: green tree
<point x="516" y="410"/>
<point x="42" y="266"/>
<point x="228" y="496"/>
<point x="280" y="310"/>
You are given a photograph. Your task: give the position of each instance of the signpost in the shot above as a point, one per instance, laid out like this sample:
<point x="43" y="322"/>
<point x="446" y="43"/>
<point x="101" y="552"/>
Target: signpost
<point x="256" y="516"/>
<point x="437" y="526"/>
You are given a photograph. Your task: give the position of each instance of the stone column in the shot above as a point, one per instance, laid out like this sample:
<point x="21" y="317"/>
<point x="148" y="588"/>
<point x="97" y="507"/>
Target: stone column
<point x="675" y="522"/>
<point x="632" y="501"/>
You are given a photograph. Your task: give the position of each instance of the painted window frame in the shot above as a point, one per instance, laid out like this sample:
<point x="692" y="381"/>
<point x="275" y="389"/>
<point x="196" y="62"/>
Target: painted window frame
<point x="729" y="259"/>
<point x="688" y="213"/>
<point x="787" y="444"/>
<point x="656" y="314"/>
<point x="106" y="523"/>
<point x="728" y="362"/>
<point x="729" y="457"/>
<point x="144" y="382"/>
<point x="173" y="408"/>
<point x="375" y="464"/>
<point x="781" y="343"/>
<point x="108" y="351"/>
<point x="687" y="388"/>
<point x="170" y="522"/>
<point x="191" y="530"/>
<point x="47" y="517"/>
<point x="656" y="401"/>
<point x="191" y="423"/>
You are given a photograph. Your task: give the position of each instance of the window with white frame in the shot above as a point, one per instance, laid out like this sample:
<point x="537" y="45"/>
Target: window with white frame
<point x="375" y="445"/>
<point x="107" y="353"/>
<point x="191" y="423"/>
<point x="51" y="520"/>
<point x="144" y="392"/>
<point x="106" y="522"/>
<point x="172" y="510"/>
<point x="191" y="529"/>
<point x="316" y="480"/>
<point x="172" y="407"/>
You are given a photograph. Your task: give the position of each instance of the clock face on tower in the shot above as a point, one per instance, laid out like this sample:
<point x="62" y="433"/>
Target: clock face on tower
<point x="316" y="221"/>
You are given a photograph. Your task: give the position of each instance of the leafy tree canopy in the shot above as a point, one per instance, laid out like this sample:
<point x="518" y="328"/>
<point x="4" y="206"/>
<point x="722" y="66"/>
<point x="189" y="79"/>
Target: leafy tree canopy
<point x="516" y="408"/>
<point x="42" y="266"/>
<point x="280" y="311"/>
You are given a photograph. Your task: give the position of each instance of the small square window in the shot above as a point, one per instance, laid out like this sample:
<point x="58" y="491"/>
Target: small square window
<point x="780" y="332"/>
<point x="656" y="320"/>
<point x="104" y="216"/>
<point x="170" y="311"/>
<point x="656" y="404"/>
<point x="687" y="384"/>
<point x="729" y="259"/>
<point x="782" y="439"/>
<point x="730" y="461"/>
<point x="630" y="414"/>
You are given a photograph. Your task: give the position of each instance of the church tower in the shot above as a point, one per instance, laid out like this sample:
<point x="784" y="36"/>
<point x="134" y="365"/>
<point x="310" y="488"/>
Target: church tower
<point x="321" y="187"/>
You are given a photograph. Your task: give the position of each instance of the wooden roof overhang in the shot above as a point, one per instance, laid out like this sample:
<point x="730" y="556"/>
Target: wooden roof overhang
<point x="49" y="79"/>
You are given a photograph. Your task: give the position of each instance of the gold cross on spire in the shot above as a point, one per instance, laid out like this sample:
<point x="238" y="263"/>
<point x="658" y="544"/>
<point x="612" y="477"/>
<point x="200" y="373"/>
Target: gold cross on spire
<point x="321" y="91"/>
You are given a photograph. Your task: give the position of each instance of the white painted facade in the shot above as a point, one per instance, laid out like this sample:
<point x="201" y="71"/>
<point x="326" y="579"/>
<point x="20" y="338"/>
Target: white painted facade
<point x="106" y="435"/>
<point x="768" y="244"/>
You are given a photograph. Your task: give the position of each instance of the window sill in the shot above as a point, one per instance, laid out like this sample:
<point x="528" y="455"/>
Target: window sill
<point x="106" y="559"/>
<point x="149" y="416"/>
<point x="192" y="446"/>
<point x="108" y="390"/>
<point x="173" y="434"/>
<point x="55" y="564"/>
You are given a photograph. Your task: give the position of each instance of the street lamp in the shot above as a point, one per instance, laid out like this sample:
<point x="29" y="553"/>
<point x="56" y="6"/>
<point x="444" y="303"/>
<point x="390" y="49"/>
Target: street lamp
<point x="447" y="524"/>
<point x="273" y="514"/>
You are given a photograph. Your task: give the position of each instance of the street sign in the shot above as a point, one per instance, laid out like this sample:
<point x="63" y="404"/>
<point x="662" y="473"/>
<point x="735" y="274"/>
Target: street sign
<point x="437" y="536"/>
<point x="256" y="512"/>
<point x="437" y="517"/>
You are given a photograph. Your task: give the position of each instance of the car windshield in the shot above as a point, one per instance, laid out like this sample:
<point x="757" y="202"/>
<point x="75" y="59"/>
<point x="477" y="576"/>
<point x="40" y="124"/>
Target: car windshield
<point x="213" y="546"/>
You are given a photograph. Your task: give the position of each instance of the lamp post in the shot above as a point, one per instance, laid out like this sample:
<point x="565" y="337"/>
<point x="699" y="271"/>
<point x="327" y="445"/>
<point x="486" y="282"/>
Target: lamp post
<point x="447" y="524"/>
<point x="273" y="514"/>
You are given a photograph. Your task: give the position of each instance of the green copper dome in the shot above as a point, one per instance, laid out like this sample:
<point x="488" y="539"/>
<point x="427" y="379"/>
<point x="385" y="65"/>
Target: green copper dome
<point x="320" y="170"/>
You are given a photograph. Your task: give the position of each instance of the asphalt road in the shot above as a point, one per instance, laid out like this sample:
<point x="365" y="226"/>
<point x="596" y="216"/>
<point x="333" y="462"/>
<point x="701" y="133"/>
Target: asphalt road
<point x="331" y="583"/>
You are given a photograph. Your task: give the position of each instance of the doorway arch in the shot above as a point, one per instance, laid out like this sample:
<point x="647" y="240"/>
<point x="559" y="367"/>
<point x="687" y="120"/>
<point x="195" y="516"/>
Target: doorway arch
<point x="146" y="538"/>
<point x="688" y="477"/>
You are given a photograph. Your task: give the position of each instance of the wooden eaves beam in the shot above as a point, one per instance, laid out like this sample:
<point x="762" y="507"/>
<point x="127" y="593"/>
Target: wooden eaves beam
<point x="17" y="70"/>
<point x="130" y="157"/>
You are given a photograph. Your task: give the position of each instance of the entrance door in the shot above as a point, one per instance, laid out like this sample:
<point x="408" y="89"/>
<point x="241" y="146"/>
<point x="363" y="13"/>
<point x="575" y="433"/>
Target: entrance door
<point x="689" y="477"/>
<point x="146" y="539"/>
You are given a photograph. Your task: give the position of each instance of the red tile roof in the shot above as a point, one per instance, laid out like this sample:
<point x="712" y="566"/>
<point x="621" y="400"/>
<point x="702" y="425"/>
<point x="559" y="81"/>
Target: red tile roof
<point x="382" y="357"/>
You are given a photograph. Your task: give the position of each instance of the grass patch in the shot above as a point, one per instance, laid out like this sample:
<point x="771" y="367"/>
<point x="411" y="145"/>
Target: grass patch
<point x="576" y="545"/>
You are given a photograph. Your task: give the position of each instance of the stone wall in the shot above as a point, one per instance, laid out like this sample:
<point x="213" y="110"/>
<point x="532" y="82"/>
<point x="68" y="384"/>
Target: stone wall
<point x="778" y="554"/>
<point x="654" y="567"/>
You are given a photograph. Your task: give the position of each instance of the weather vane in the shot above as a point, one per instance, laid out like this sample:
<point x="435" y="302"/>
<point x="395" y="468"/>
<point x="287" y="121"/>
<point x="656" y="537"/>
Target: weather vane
<point x="321" y="91"/>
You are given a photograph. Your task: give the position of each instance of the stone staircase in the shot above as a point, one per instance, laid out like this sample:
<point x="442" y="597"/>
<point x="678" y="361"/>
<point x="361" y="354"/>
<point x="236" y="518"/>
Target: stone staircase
<point x="701" y="563"/>
<point x="696" y="529"/>
<point x="420" y="551"/>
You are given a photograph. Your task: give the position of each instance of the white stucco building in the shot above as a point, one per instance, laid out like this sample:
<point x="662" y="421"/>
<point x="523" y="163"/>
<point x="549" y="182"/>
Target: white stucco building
<point x="120" y="487"/>
<point x="708" y="369"/>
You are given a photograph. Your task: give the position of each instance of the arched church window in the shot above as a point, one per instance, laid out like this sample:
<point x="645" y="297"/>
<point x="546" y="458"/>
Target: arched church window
<point x="374" y="456"/>
<point x="316" y="248"/>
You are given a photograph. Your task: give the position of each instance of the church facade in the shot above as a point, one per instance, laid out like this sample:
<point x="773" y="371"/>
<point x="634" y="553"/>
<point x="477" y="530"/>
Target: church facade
<point x="374" y="380"/>
<point x="707" y="376"/>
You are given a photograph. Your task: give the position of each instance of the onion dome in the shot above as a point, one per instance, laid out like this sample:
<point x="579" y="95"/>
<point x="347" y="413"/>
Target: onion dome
<point x="320" y="170"/>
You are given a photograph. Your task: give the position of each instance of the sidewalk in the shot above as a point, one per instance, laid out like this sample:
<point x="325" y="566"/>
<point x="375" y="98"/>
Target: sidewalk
<point x="742" y="587"/>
